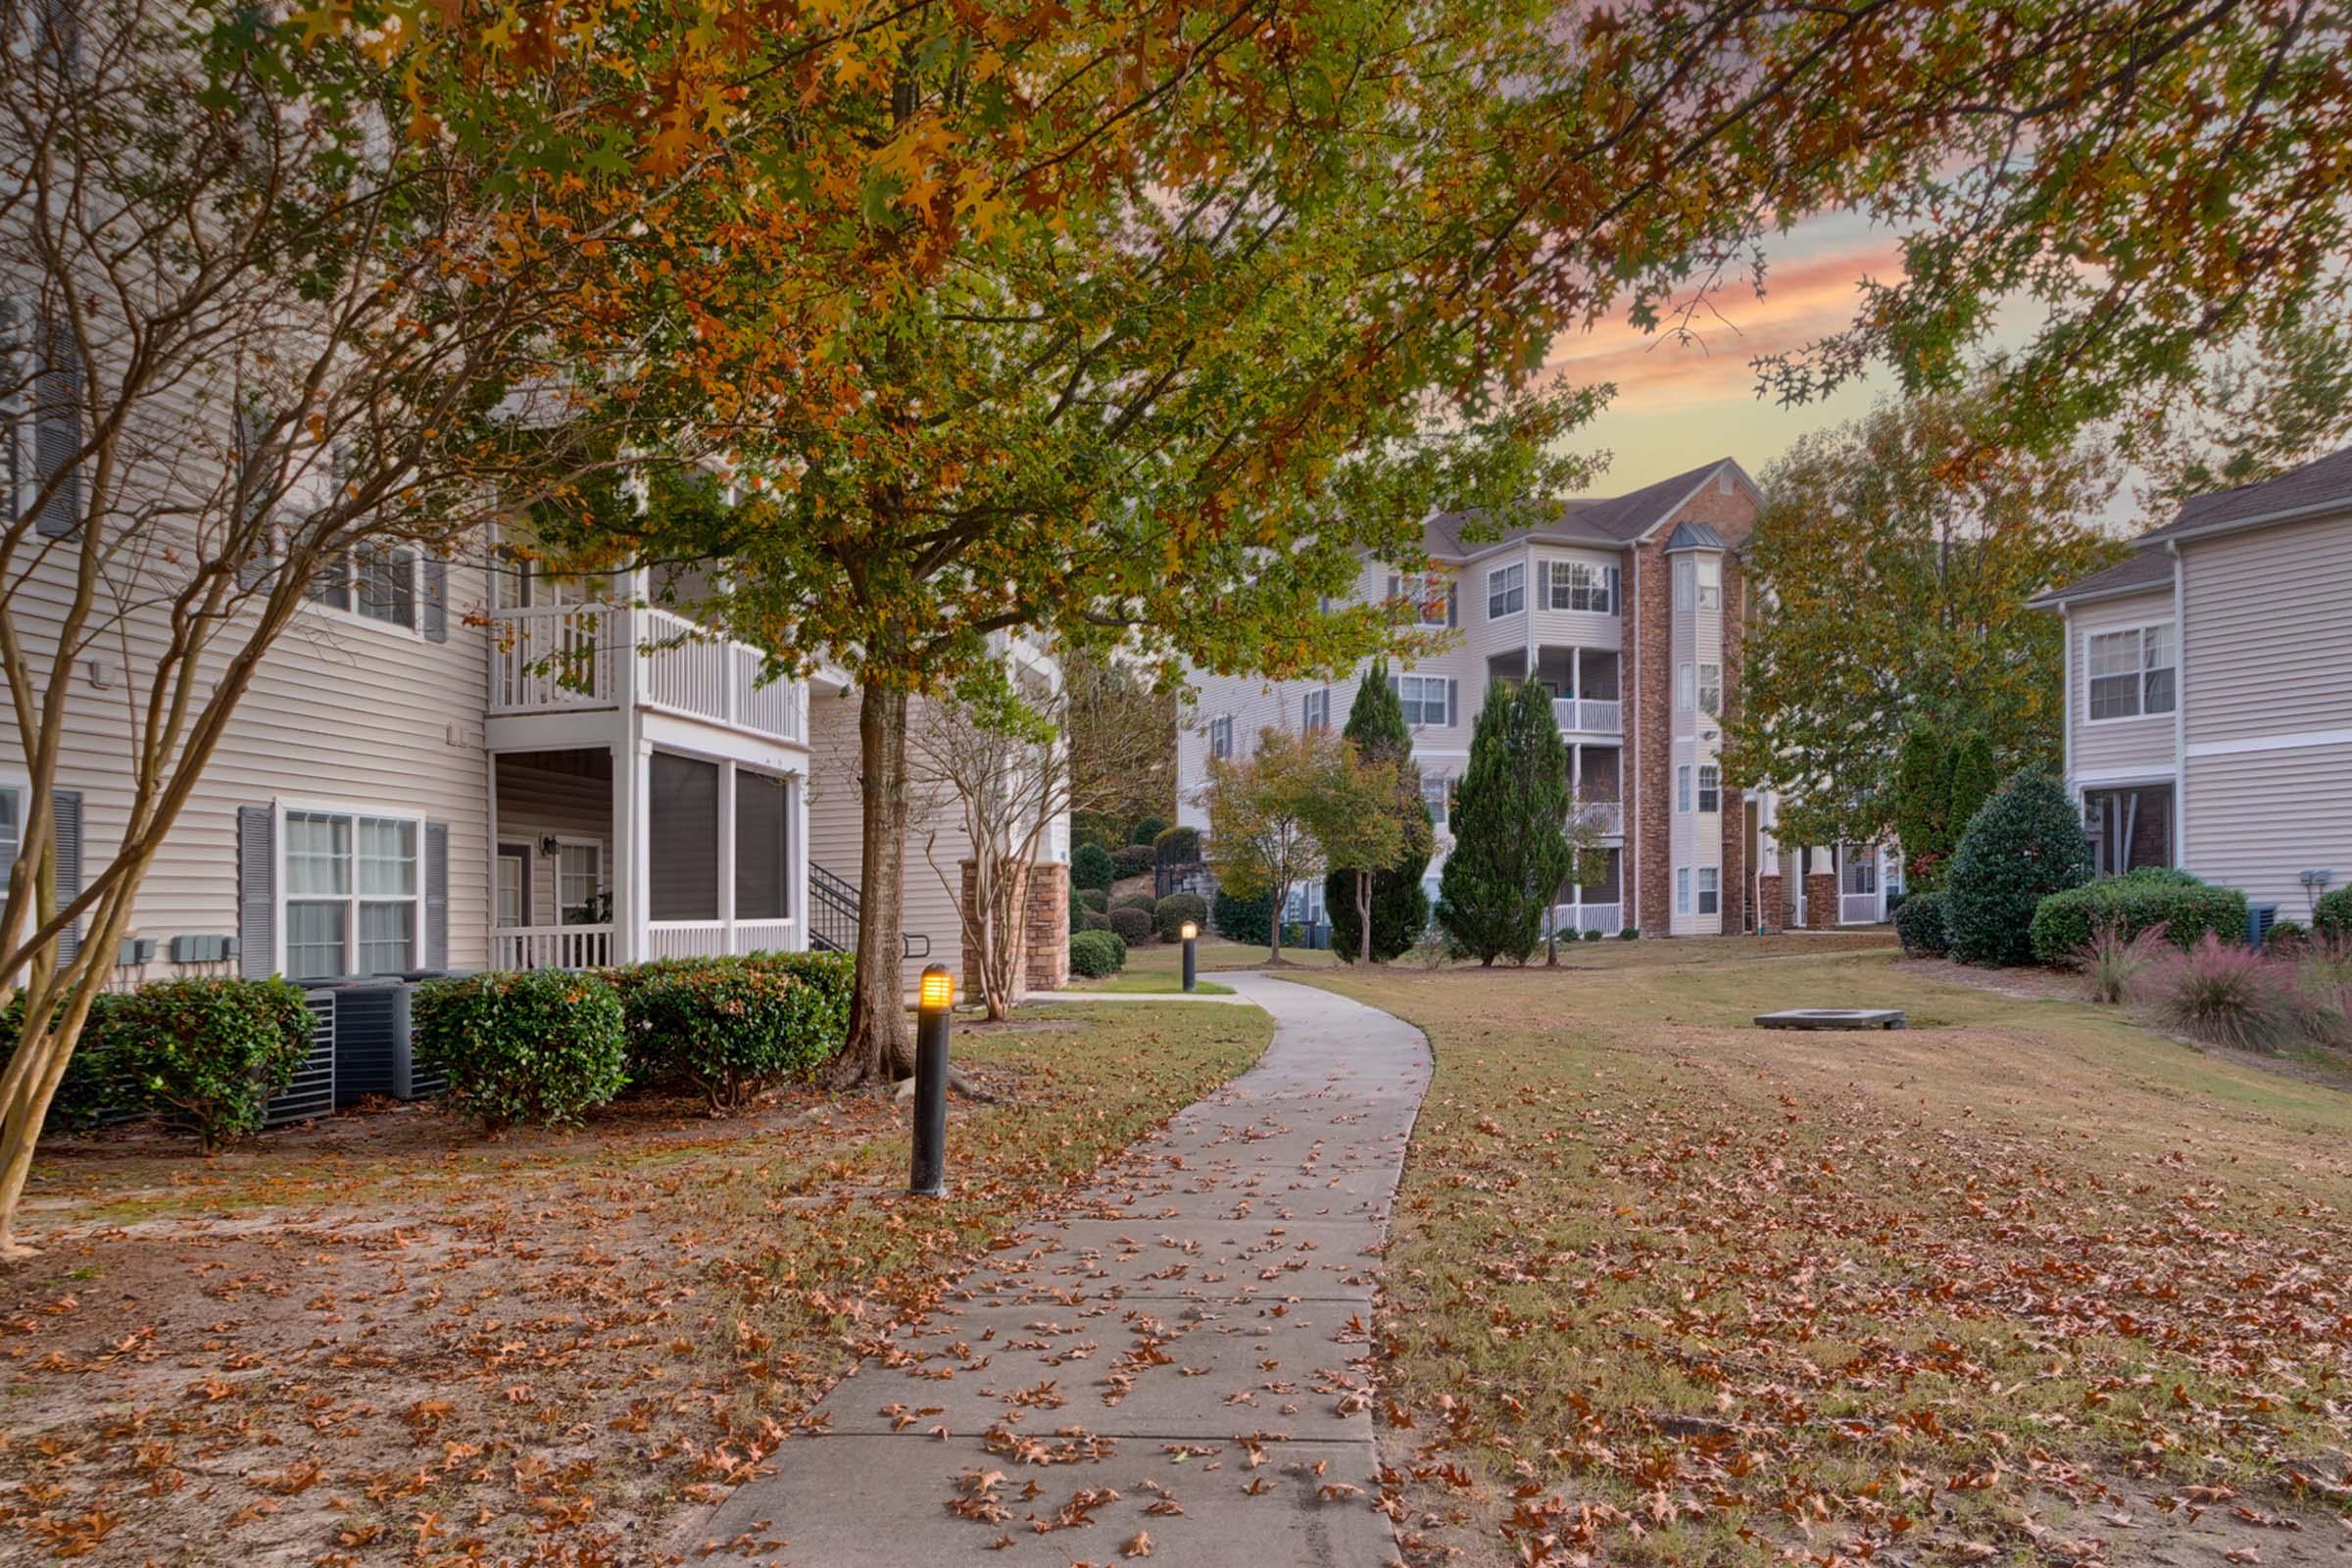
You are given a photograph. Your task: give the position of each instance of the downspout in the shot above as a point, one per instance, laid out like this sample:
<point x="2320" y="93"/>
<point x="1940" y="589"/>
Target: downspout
<point x="2180" y="705"/>
<point x="1640" y="798"/>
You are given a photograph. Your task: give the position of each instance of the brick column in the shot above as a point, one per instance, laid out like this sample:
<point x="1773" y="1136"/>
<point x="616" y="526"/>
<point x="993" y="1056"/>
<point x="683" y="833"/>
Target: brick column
<point x="1768" y="902"/>
<point x="1651" y="744"/>
<point x="1047" y="911"/>
<point x="1821" y="901"/>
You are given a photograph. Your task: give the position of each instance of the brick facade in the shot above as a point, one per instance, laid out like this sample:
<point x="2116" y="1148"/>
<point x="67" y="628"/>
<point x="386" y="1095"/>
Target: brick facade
<point x="1768" y="899"/>
<point x="1044" y="905"/>
<point x="1650" y="639"/>
<point x="1821" y="901"/>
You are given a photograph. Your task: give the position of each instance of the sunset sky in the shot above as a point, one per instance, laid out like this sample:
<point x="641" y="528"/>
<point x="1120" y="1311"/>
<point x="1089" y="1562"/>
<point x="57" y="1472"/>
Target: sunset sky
<point x="1680" y="404"/>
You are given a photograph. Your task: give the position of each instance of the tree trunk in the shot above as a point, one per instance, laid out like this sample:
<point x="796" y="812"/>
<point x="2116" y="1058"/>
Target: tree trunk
<point x="880" y="1048"/>
<point x="1282" y="901"/>
<point x="1363" y="918"/>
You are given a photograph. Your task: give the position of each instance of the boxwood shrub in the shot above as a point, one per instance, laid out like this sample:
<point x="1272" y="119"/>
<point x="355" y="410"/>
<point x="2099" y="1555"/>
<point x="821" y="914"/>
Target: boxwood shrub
<point x="1095" y="954"/>
<point x="1250" y="920"/>
<point x="730" y="1026"/>
<point x="95" y="1086"/>
<point x="215" y="1050"/>
<point x="1177" y="846"/>
<point x="1132" y="859"/>
<point x="2024" y="845"/>
<point x="1919" y="925"/>
<point x="2174" y="902"/>
<point x="1095" y="899"/>
<point x="1090" y="868"/>
<point x="1147" y="831"/>
<point x="536" y="1045"/>
<point x="2331" y="916"/>
<point x="1133" y="925"/>
<point x="1135" y="900"/>
<point x="1170" y="914"/>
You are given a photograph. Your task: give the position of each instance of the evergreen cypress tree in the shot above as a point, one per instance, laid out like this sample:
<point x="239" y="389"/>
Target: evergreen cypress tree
<point x="1923" y="799"/>
<point x="1510" y="851"/>
<point x="1400" y="907"/>
<point x="1975" y="778"/>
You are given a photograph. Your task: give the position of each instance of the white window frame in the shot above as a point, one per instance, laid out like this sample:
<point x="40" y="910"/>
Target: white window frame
<point x="1681" y="789"/>
<point x="1405" y="683"/>
<point x="1710" y="789"/>
<point x="1314" y="710"/>
<point x="1710" y="890"/>
<point x="1685" y="576"/>
<point x="1861" y="867"/>
<point x="1431" y="594"/>
<point x="1436" y="794"/>
<point x="1711" y="585"/>
<point x="563" y="905"/>
<point x="500" y="860"/>
<point x="1220" y="738"/>
<point x="346" y="562"/>
<point x="1710" y="689"/>
<point x="19" y="789"/>
<point x="1686" y="687"/>
<point x="1506" y="590"/>
<point x="281" y="884"/>
<point x="2140" y="674"/>
<point x="1682" y="890"/>
<point x="1578" y="587"/>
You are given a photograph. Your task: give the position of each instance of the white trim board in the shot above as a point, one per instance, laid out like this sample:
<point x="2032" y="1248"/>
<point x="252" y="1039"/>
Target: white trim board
<point x="2151" y="773"/>
<point x="2272" y="743"/>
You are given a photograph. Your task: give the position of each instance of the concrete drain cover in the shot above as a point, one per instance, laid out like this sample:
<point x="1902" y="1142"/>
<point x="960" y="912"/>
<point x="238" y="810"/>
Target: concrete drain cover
<point x="1833" y="1018"/>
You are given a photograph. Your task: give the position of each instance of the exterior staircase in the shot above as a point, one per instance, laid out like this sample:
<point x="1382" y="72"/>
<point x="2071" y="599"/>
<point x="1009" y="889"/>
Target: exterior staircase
<point x="833" y="907"/>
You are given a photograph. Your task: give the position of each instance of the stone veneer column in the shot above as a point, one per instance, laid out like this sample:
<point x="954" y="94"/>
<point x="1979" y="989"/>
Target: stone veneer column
<point x="1768" y="899"/>
<point x="969" y="973"/>
<point x="1047" y="907"/>
<point x="1652" y="739"/>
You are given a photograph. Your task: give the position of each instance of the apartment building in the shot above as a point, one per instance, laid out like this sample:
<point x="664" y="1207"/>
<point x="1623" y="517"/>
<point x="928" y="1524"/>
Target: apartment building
<point x="2209" y="690"/>
<point x="1628" y="609"/>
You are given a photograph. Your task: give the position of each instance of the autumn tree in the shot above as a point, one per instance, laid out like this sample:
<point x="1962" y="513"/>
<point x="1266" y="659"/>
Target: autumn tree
<point x="1359" y="815"/>
<point x="260" y="348"/>
<point x="1896" y="556"/>
<point x="1385" y="918"/>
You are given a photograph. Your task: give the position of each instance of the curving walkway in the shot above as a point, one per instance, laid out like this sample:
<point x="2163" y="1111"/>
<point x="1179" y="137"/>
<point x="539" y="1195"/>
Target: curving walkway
<point x="1183" y="1336"/>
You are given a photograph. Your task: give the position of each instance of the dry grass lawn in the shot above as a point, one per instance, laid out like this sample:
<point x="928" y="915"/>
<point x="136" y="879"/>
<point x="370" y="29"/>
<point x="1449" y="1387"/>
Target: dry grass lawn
<point x="2027" y="1283"/>
<point x="383" y="1339"/>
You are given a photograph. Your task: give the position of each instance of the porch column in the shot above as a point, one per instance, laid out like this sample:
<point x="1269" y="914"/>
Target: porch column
<point x="796" y="872"/>
<point x="726" y="855"/>
<point x="631" y="865"/>
<point x="1576" y="677"/>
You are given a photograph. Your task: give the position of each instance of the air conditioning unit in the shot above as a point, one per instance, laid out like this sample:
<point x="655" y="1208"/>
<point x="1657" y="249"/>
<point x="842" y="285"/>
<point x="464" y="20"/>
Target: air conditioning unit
<point x="376" y="1042"/>
<point x="313" y="1090"/>
<point x="2260" y="918"/>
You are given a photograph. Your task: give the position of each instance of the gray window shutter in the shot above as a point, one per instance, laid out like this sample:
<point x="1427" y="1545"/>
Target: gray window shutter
<point x="253" y="569"/>
<point x="436" y="599"/>
<point x="1394" y="584"/>
<point x="1616" y="601"/>
<point x="1453" y="604"/>
<point x="66" y="818"/>
<point x="257" y="892"/>
<point x="436" y="895"/>
<point x="1543" y="585"/>
<point x="1396" y="687"/>
<point x="1454" y="703"/>
<point x="56" y="431"/>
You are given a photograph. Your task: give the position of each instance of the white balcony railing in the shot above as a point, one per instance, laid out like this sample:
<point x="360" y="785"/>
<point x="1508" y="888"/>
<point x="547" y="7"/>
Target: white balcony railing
<point x="551" y="947"/>
<point x="1585" y="715"/>
<point x="1860" y="909"/>
<point x="1606" y="918"/>
<point x="1604" y="817"/>
<point x="559" y="658"/>
<point x="709" y="939"/>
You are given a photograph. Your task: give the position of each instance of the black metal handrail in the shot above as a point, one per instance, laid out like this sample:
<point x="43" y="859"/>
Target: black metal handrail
<point x="834" y="906"/>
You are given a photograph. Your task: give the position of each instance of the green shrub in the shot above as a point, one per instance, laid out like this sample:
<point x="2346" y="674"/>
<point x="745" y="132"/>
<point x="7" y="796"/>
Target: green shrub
<point x="214" y="1049"/>
<point x="1170" y="914"/>
<point x="1133" y="925"/>
<point x="1135" y="900"/>
<point x="1095" y="954"/>
<point x="2331" y="916"/>
<point x="1592" y="936"/>
<point x="1177" y="846"/>
<point x="95" y="1085"/>
<point x="1147" y="831"/>
<point x="1090" y="868"/>
<point x="2181" y="907"/>
<point x="1097" y="920"/>
<point x="1975" y="778"/>
<point x="2024" y="845"/>
<point x="1919" y="925"/>
<point x="1250" y="920"/>
<point x="2285" y="936"/>
<point x="1095" y="899"/>
<point x="1131" y="860"/>
<point x="1078" y="914"/>
<point x="538" y="1045"/>
<point x="1629" y="934"/>
<point x="730" y="1025"/>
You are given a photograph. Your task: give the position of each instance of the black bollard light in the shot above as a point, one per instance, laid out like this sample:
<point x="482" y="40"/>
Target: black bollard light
<point x="934" y="1011"/>
<point x="1191" y="938"/>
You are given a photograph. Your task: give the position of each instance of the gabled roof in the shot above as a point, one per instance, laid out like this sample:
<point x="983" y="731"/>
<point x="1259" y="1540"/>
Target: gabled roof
<point x="1695" y="536"/>
<point x="2315" y="486"/>
<point x="2149" y="569"/>
<point x="1613" y="521"/>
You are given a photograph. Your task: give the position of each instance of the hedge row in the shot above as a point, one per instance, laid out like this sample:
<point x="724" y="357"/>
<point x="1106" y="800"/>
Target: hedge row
<point x="1095" y="954"/>
<point x="2174" y="902"/>
<point x="213" y="1051"/>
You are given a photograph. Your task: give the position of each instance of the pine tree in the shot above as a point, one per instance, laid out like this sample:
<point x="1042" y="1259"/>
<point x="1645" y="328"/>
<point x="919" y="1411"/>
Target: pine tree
<point x="1923" y="798"/>
<point x="1400" y="904"/>
<point x="1510" y="851"/>
<point x="1975" y="777"/>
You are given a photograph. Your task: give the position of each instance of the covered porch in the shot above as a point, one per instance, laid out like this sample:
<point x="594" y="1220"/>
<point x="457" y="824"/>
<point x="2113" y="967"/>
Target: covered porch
<point x="651" y="849"/>
<point x="1597" y="908"/>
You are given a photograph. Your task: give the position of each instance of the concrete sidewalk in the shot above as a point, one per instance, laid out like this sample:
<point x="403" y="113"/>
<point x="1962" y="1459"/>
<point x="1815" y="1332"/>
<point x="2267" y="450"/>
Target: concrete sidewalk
<point x="1185" y="1337"/>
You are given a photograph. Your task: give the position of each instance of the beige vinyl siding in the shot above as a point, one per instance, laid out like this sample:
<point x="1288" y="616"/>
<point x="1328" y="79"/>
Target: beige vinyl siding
<point x="1694" y="839"/>
<point x="1574" y="628"/>
<point x="2257" y="820"/>
<point x="343" y="712"/>
<point x="837" y="825"/>
<point x="2269" y="631"/>
<point x="2111" y="747"/>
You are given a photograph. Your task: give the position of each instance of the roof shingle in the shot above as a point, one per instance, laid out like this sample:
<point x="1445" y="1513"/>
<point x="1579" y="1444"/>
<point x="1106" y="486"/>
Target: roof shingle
<point x="1609" y="519"/>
